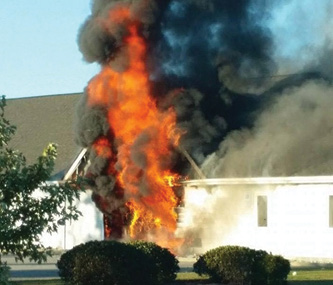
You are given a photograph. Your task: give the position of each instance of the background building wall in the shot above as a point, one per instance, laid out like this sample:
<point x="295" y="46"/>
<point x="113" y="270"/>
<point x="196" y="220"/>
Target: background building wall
<point x="288" y="219"/>
<point x="88" y="227"/>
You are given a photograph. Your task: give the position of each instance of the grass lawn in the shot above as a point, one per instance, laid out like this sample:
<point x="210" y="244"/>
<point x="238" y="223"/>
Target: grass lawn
<point x="311" y="277"/>
<point x="300" y="277"/>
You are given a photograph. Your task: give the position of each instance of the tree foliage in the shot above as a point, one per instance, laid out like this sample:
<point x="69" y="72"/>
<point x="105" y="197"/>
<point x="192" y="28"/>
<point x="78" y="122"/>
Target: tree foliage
<point x="25" y="212"/>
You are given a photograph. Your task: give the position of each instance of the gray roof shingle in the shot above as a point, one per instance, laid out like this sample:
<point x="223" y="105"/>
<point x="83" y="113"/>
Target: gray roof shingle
<point x="43" y="120"/>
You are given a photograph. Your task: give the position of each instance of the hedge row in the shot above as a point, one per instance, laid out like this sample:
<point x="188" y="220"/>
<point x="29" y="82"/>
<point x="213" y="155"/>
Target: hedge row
<point x="112" y="262"/>
<point x="242" y="265"/>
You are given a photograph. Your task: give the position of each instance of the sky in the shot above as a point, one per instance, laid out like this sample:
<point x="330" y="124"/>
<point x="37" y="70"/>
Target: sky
<point x="39" y="54"/>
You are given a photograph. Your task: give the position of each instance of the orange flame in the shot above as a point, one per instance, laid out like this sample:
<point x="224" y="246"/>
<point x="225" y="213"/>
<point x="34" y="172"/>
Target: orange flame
<point x="143" y="136"/>
<point x="102" y="147"/>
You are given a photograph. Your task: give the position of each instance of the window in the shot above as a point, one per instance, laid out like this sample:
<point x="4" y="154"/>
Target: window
<point x="262" y="210"/>
<point x="330" y="211"/>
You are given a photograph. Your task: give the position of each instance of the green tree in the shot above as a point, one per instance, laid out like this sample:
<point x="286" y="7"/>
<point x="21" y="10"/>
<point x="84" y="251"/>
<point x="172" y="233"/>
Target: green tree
<point x="24" y="214"/>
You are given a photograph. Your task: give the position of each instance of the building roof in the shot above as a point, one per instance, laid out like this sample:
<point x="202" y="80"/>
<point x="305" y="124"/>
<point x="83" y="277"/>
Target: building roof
<point x="43" y="120"/>
<point x="260" y="181"/>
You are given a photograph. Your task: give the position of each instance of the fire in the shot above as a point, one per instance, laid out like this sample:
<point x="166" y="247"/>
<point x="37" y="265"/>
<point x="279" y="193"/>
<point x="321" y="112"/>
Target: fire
<point x="102" y="147"/>
<point x="142" y="137"/>
<point x="172" y="179"/>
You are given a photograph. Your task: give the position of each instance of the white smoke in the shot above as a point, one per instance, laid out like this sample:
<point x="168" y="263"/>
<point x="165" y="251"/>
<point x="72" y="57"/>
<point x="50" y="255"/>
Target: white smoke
<point x="292" y="137"/>
<point x="210" y="217"/>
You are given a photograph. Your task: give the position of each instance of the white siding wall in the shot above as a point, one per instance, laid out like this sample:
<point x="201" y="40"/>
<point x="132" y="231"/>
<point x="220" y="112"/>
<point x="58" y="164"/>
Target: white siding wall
<point x="297" y="218"/>
<point x="88" y="227"/>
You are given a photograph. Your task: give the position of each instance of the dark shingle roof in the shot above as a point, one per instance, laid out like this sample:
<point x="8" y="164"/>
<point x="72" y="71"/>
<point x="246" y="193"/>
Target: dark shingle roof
<point x="42" y="120"/>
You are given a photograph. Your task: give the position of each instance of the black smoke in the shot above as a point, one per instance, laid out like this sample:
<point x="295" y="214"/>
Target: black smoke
<point x="207" y="50"/>
<point x="211" y="49"/>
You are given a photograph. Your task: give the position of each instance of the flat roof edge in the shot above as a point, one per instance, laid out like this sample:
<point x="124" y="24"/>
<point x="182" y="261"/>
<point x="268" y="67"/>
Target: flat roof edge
<point x="43" y="96"/>
<point x="261" y="180"/>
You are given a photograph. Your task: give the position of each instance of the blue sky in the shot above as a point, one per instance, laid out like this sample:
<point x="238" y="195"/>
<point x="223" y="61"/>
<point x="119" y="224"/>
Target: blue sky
<point x="39" y="53"/>
<point x="38" y="48"/>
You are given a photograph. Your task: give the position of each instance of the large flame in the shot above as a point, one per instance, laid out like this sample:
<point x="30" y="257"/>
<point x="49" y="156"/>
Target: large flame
<point x="139" y="128"/>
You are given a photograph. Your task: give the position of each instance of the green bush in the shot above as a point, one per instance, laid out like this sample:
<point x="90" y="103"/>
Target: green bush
<point x="106" y="262"/>
<point x="226" y="264"/>
<point x="277" y="269"/>
<point x="112" y="262"/>
<point x="66" y="262"/>
<point x="259" y="273"/>
<point x="165" y="261"/>
<point x="95" y="269"/>
<point x="242" y="265"/>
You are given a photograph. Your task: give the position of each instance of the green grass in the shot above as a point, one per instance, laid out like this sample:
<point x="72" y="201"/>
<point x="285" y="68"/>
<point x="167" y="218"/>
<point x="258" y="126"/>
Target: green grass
<point x="311" y="277"/>
<point x="302" y="277"/>
<point x="182" y="278"/>
<point x="185" y="277"/>
<point x="190" y="276"/>
<point x="310" y="282"/>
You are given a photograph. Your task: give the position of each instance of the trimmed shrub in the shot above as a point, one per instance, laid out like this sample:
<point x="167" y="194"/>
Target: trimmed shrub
<point x="227" y="264"/>
<point x="277" y="269"/>
<point x="242" y="265"/>
<point x="165" y="261"/>
<point x="66" y="263"/>
<point x="106" y="262"/>
<point x="95" y="269"/>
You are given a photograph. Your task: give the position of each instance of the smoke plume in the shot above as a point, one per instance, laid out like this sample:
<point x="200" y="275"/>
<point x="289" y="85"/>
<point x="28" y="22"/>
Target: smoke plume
<point x="290" y="138"/>
<point x="291" y="129"/>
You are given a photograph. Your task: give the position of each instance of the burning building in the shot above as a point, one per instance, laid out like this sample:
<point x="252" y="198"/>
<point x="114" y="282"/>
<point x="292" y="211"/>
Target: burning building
<point x="198" y="79"/>
<point x="214" y="83"/>
<point x="137" y="109"/>
<point x="285" y="215"/>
